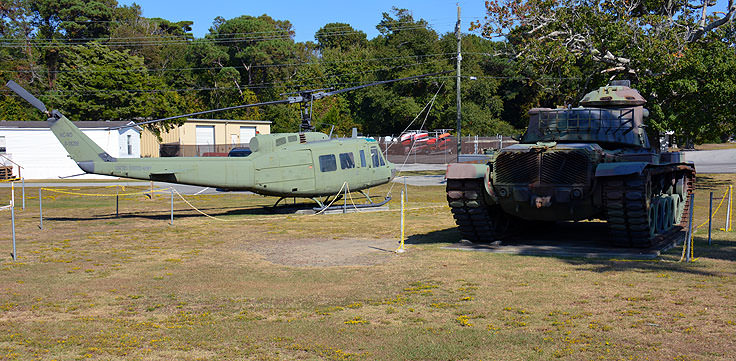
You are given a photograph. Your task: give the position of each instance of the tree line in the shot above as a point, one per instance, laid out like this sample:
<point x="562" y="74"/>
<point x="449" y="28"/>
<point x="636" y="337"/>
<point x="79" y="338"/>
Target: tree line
<point x="98" y="60"/>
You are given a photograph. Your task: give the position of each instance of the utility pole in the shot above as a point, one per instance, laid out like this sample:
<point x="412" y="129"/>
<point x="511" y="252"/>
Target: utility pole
<point x="459" y="59"/>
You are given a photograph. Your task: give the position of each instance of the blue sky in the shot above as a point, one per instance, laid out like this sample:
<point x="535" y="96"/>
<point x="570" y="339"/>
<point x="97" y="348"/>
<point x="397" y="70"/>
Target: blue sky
<point x="308" y="16"/>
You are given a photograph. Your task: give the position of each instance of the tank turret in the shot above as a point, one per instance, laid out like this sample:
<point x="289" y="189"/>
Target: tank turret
<point x="616" y="94"/>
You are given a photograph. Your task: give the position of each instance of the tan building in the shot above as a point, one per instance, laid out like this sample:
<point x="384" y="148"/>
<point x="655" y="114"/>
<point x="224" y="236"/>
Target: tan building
<point x="202" y="137"/>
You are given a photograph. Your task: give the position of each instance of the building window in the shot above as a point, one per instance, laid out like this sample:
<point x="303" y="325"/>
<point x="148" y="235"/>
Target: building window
<point x="327" y="163"/>
<point x="130" y="144"/>
<point x="347" y="161"/>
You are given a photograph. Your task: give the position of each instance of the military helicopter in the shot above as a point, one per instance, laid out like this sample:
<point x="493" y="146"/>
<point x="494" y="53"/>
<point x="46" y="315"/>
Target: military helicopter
<point x="306" y="164"/>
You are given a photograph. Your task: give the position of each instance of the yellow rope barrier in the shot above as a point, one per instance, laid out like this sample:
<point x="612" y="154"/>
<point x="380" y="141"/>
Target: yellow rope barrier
<point x="199" y="211"/>
<point x="104" y="194"/>
<point x="220" y="219"/>
<point x="692" y="251"/>
<point x="344" y="184"/>
<point x="714" y="212"/>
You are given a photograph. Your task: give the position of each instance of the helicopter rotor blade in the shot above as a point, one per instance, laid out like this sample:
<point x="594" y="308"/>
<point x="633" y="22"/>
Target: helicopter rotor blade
<point x="384" y="82"/>
<point x="283" y="101"/>
<point x="302" y="97"/>
<point x="17" y="89"/>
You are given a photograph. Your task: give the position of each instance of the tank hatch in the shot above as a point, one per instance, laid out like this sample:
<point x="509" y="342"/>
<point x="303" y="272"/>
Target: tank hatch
<point x="616" y="94"/>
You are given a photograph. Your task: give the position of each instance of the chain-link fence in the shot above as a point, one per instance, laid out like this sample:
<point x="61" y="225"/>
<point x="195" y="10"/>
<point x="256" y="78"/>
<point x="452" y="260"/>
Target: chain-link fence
<point x="209" y="150"/>
<point x="441" y="152"/>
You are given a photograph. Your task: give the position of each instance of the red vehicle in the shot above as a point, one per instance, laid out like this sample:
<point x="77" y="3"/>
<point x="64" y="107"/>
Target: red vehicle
<point x="414" y="141"/>
<point x="440" y="142"/>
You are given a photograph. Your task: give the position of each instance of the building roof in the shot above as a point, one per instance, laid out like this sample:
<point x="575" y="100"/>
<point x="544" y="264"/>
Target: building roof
<point x="229" y="121"/>
<point x="79" y="124"/>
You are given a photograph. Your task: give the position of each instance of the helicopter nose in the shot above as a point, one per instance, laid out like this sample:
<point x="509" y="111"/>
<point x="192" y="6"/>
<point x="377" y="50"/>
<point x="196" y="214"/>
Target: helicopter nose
<point x="393" y="173"/>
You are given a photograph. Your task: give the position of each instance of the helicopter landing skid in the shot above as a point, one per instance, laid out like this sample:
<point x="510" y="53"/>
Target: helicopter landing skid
<point x="345" y="208"/>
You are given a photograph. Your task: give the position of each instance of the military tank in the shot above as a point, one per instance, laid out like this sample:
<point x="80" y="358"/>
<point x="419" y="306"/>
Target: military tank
<point x="590" y="162"/>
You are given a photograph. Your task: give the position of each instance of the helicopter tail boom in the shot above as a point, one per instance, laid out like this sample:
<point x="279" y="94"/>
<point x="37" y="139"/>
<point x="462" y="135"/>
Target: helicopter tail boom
<point x="80" y="147"/>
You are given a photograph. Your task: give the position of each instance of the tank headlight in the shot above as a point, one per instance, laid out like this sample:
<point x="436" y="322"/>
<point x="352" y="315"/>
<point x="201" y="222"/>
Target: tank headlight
<point x="503" y="192"/>
<point x="577" y="193"/>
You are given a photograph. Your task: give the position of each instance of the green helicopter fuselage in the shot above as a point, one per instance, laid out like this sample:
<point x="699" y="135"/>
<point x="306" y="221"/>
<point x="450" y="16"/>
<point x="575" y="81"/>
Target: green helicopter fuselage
<point x="282" y="164"/>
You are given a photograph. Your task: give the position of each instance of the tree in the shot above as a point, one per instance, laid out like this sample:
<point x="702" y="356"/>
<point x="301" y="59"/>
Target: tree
<point x="61" y="23"/>
<point x="579" y="45"/>
<point x="98" y="83"/>
<point x="18" y="59"/>
<point x="340" y="36"/>
<point x="255" y="43"/>
<point x="695" y="97"/>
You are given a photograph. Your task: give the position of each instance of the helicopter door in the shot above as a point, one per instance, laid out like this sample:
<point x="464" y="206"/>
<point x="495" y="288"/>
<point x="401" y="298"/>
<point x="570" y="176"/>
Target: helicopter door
<point x="298" y="171"/>
<point x="374" y="162"/>
<point x="289" y="173"/>
<point x="365" y="171"/>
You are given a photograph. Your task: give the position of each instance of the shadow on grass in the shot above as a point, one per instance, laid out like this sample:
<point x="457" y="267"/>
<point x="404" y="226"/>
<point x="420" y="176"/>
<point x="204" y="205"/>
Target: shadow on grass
<point x="450" y="235"/>
<point x="584" y="245"/>
<point x="709" y="182"/>
<point x="721" y="248"/>
<point x="604" y="266"/>
<point x="258" y="210"/>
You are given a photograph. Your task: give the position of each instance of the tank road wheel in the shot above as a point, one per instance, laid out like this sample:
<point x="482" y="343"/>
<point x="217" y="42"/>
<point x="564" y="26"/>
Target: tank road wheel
<point x="667" y="211"/>
<point x="631" y="214"/>
<point x="676" y="209"/>
<point x="476" y="219"/>
<point x="635" y="216"/>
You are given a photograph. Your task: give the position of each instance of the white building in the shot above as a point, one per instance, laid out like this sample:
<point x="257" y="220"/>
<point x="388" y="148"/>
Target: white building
<point x="32" y="145"/>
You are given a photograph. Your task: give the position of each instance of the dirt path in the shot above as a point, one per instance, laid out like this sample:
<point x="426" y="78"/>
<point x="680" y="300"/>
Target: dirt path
<point x="325" y="252"/>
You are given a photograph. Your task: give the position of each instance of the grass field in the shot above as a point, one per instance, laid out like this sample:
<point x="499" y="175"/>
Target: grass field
<point x="254" y="285"/>
<point x="714" y="146"/>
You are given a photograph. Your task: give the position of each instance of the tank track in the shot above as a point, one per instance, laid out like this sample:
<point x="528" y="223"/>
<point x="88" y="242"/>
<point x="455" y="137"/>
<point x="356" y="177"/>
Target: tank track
<point x="628" y="202"/>
<point x="476" y="219"/>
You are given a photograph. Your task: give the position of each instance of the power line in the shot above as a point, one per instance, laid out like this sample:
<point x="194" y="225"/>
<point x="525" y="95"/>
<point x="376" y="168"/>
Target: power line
<point x="58" y="93"/>
<point x="175" y="39"/>
<point x="263" y="85"/>
<point x="323" y="62"/>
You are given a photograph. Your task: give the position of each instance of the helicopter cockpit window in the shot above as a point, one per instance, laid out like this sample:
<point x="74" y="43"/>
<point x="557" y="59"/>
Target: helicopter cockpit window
<point x="362" y="158"/>
<point x="280" y="141"/>
<point x="380" y="157"/>
<point x="327" y="163"/>
<point x="374" y="157"/>
<point x="347" y="161"/>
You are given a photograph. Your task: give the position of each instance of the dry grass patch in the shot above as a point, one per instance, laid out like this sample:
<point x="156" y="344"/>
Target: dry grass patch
<point x="271" y="287"/>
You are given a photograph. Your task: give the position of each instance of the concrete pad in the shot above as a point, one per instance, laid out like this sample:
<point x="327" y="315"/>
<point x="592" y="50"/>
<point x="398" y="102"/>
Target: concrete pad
<point x="712" y="161"/>
<point x="422" y="180"/>
<point x="349" y="209"/>
<point x="572" y="240"/>
<point x="415" y="167"/>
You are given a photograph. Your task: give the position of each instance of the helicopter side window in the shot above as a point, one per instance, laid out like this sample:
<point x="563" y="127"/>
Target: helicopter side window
<point x="327" y="163"/>
<point x="380" y="157"/>
<point x="374" y="157"/>
<point x="362" y="158"/>
<point x="347" y="161"/>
